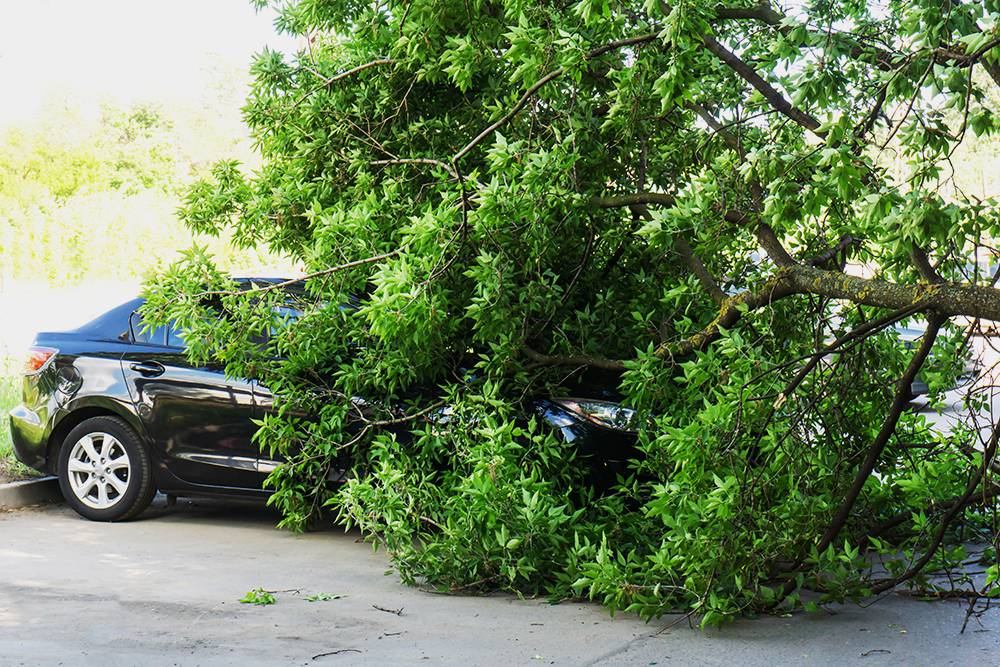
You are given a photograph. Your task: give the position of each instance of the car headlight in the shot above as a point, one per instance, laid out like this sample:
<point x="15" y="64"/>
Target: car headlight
<point x="604" y="413"/>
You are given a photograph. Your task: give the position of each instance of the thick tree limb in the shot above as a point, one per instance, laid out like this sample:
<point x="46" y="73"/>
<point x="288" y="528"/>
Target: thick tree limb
<point x="572" y="360"/>
<point x="698" y="269"/>
<point x="768" y="240"/>
<point x="923" y="264"/>
<point x="946" y="299"/>
<point x="943" y="299"/>
<point x="731" y="311"/>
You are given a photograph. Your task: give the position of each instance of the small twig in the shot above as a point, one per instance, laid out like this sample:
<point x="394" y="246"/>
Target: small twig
<point x="338" y="651"/>
<point x="397" y="612"/>
<point x="293" y="281"/>
<point x="359" y="68"/>
<point x="410" y="417"/>
<point x="418" y="160"/>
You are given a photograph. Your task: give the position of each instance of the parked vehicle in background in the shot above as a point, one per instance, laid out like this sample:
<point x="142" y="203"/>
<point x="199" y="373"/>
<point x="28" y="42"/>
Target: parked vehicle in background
<point x="909" y="336"/>
<point x="119" y="413"/>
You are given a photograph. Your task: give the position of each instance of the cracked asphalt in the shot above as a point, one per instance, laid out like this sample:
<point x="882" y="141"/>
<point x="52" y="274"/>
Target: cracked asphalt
<point x="164" y="590"/>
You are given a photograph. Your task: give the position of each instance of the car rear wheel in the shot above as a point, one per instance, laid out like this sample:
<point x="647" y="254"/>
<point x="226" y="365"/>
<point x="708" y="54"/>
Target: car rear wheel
<point x="104" y="470"/>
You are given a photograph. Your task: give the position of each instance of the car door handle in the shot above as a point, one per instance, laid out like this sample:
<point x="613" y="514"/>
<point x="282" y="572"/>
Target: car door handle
<point x="149" y="369"/>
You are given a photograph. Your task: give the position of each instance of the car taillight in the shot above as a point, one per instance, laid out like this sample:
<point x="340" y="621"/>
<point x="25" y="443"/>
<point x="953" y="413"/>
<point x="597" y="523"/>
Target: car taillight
<point x="38" y="356"/>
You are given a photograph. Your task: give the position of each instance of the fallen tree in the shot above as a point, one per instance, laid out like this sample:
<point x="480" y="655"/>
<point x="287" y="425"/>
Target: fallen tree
<point x="727" y="207"/>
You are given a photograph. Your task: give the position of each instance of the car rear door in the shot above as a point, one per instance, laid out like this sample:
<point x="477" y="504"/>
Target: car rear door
<point x="198" y="419"/>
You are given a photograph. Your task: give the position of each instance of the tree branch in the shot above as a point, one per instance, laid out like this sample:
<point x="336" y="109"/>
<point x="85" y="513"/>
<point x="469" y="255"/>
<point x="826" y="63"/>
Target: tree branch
<point x="528" y="94"/>
<point x="770" y="93"/>
<point x="698" y="269"/>
<point x="572" y="360"/>
<point x="354" y="70"/>
<point x="420" y="160"/>
<point x="768" y="240"/>
<point x="953" y="511"/>
<point x="923" y="264"/>
<point x="899" y="403"/>
<point x="636" y="199"/>
<point x="287" y="283"/>
<point x="943" y="299"/>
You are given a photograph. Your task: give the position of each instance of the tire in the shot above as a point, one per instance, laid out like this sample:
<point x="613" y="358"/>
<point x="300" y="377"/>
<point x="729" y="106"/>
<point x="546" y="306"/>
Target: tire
<point x="105" y="472"/>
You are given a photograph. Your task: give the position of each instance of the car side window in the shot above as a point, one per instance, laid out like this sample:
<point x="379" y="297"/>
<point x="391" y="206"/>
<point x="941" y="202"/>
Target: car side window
<point x="286" y="315"/>
<point x="142" y="334"/>
<point x="175" y="337"/>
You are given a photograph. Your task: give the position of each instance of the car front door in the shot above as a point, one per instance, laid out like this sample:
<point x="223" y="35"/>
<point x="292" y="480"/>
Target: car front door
<point x="198" y="419"/>
<point x="268" y="462"/>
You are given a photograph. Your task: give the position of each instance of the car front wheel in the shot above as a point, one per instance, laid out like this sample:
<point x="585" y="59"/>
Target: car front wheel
<point x="104" y="470"/>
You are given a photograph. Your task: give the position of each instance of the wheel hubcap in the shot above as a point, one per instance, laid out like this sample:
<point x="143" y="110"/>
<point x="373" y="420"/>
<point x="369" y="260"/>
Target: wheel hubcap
<point x="99" y="470"/>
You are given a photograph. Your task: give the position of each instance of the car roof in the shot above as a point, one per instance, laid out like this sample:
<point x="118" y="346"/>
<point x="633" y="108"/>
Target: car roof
<point x="109" y="324"/>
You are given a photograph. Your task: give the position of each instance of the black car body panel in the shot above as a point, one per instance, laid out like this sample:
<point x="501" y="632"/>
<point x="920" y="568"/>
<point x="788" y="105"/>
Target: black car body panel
<point x="196" y="423"/>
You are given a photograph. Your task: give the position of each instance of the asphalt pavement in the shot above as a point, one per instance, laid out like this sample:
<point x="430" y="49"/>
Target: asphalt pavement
<point x="164" y="590"/>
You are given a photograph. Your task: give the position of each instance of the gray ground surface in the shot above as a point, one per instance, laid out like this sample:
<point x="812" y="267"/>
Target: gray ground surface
<point x="163" y="591"/>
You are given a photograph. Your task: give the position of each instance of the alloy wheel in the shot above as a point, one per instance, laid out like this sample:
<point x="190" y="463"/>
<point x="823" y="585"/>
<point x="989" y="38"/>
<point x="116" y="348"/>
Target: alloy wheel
<point x="99" y="470"/>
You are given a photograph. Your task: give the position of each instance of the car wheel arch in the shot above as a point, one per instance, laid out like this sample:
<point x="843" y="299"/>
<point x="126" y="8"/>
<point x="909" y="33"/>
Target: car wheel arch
<point x="75" y="417"/>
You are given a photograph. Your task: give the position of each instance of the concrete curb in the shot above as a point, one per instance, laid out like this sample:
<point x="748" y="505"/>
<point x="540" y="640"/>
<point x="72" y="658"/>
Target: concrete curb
<point x="15" y="495"/>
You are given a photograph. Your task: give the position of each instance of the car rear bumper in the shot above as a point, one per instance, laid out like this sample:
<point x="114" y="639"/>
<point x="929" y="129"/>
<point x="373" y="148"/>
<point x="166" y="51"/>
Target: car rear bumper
<point x="29" y="434"/>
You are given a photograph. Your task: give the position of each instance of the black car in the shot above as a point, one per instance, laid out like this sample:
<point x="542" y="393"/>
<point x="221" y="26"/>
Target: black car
<point x="119" y="413"/>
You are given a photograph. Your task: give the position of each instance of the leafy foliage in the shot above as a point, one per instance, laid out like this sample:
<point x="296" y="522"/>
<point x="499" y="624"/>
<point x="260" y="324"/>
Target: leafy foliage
<point x="10" y="394"/>
<point x="728" y="207"/>
<point x="322" y="597"/>
<point x="258" y="596"/>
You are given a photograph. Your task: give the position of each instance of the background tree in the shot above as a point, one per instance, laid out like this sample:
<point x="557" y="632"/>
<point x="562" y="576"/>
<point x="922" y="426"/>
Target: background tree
<point x="729" y="206"/>
<point x="81" y="191"/>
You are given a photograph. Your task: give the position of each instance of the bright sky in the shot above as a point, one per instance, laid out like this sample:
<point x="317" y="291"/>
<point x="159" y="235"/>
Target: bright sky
<point x="122" y="50"/>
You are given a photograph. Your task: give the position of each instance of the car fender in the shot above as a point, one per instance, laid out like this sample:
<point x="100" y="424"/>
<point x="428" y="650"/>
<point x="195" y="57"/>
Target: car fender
<point x="78" y="409"/>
